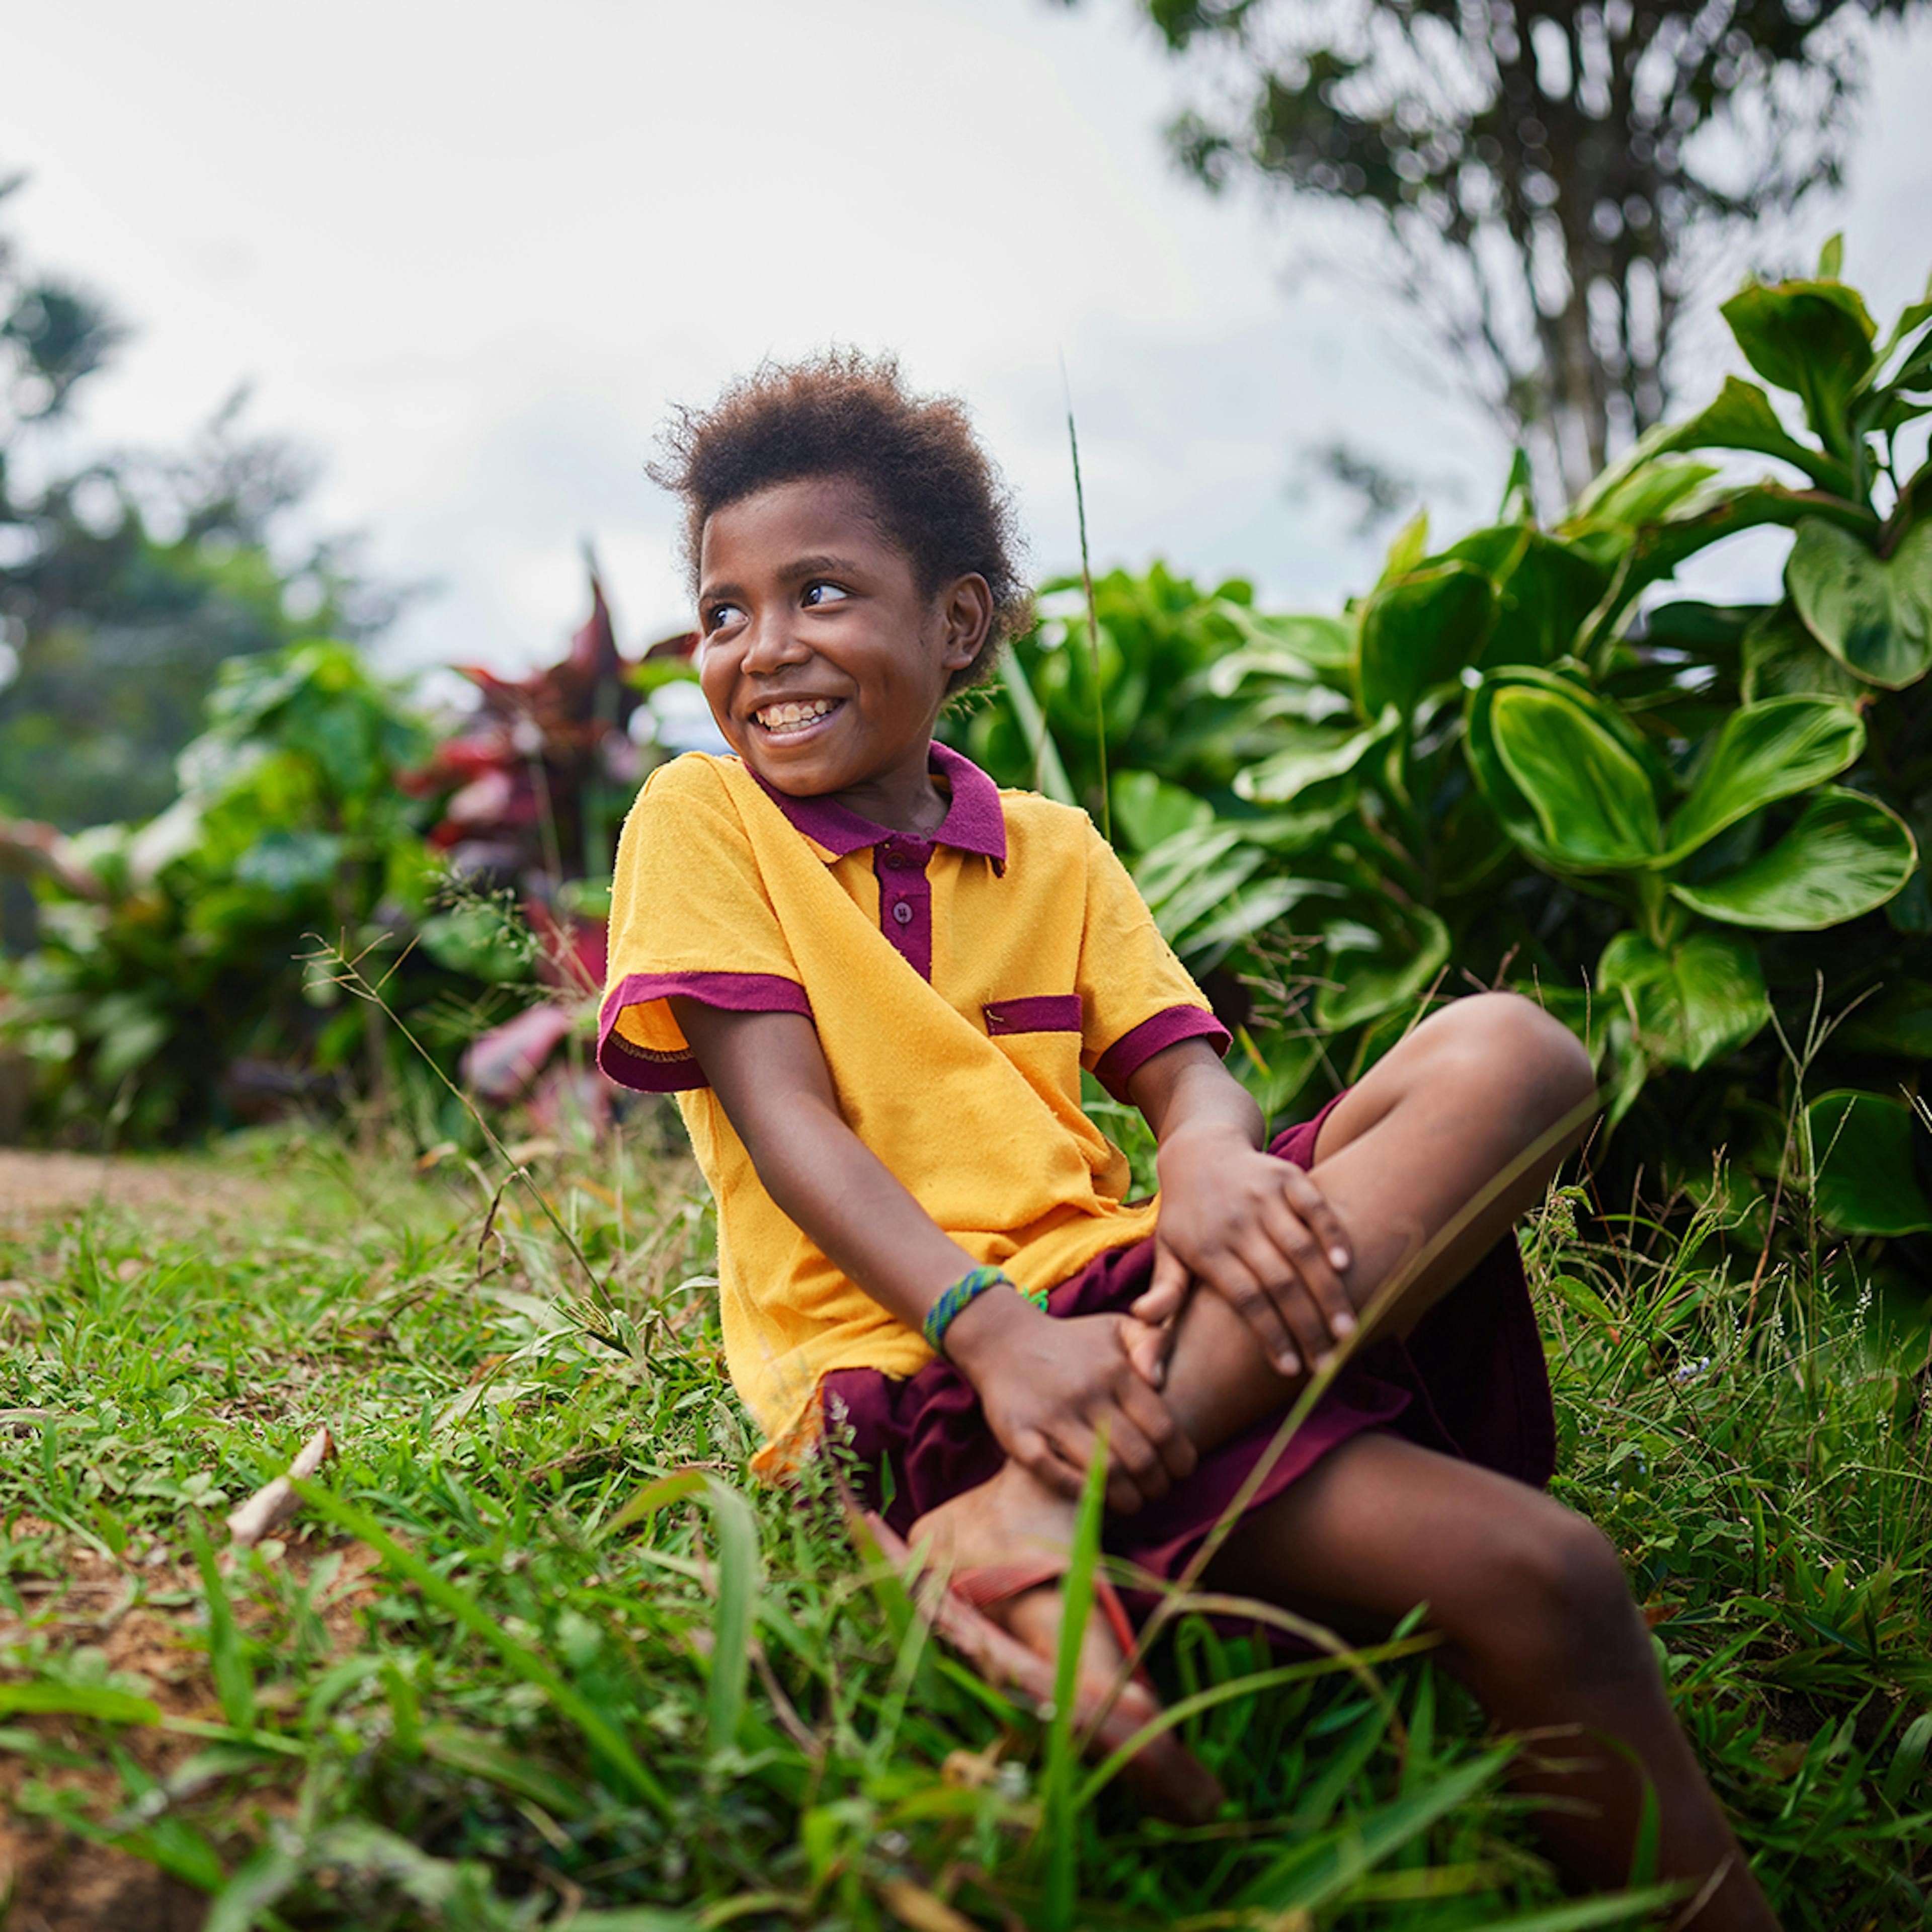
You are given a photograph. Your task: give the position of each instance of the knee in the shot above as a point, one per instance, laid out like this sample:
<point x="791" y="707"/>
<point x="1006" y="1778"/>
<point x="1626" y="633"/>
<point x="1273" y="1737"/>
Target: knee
<point x="1562" y="1605"/>
<point x="1503" y="1037"/>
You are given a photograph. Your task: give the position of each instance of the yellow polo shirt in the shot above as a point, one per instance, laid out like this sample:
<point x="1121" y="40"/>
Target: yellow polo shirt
<point x="957" y="985"/>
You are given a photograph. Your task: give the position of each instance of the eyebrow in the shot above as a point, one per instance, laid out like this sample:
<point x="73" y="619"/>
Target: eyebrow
<point x="822" y="565"/>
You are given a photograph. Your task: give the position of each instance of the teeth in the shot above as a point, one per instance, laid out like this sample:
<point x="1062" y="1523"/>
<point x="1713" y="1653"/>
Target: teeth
<point x="789" y="717"/>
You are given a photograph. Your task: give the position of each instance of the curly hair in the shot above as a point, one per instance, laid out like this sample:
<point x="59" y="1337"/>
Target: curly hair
<point x="934" y="491"/>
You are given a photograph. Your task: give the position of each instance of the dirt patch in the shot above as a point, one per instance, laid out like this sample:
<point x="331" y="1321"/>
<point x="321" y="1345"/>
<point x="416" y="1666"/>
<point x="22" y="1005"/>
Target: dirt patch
<point x="36" y="1186"/>
<point x="55" y="1880"/>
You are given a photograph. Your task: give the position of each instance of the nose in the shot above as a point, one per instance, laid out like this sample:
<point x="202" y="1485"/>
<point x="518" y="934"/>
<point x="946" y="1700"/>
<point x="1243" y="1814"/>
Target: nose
<point x="771" y="644"/>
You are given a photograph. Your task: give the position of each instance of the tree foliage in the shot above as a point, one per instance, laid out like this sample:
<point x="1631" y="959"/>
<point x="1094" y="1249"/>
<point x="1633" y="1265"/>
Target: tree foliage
<point x="126" y="580"/>
<point x="1551" y="176"/>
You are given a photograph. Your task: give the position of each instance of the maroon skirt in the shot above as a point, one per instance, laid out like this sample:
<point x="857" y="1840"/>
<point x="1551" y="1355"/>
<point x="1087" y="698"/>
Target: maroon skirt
<point x="1468" y="1380"/>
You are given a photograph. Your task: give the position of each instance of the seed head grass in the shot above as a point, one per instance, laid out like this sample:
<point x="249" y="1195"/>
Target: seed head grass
<point x="536" y="1651"/>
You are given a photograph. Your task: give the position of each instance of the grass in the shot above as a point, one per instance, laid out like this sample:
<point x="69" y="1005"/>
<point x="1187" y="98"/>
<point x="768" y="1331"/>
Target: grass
<point x="535" y="1652"/>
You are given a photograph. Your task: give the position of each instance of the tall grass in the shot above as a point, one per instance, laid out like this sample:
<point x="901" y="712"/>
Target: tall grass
<point x="536" y="1648"/>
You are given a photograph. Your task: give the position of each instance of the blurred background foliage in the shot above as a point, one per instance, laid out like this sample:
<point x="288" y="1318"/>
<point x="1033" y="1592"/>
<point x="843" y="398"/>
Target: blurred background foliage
<point x="1693" y="830"/>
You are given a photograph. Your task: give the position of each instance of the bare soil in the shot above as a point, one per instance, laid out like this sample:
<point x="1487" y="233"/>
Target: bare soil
<point x="36" y="1186"/>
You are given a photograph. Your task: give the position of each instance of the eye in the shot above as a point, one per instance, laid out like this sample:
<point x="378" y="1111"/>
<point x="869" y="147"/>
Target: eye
<point x="717" y="616"/>
<point x="822" y="592"/>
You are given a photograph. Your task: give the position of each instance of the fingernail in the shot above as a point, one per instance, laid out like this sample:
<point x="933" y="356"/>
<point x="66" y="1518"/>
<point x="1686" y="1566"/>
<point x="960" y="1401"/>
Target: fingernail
<point x="1338" y="1257"/>
<point x="1343" y="1325"/>
<point x="1289" y="1365"/>
<point x="1160" y="1375"/>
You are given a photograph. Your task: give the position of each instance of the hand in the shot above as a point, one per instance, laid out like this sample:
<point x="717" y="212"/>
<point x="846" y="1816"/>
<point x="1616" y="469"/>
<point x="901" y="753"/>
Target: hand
<point x="1050" y="1387"/>
<point x="1257" y="1231"/>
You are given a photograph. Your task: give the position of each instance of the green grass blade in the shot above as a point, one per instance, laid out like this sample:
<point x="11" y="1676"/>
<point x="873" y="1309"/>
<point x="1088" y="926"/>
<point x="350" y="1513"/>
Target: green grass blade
<point x="601" y="1735"/>
<point x="234" y="1681"/>
<point x="737" y="1609"/>
<point x="738" y="1585"/>
<point x="1062" y="1815"/>
<point x="263" y="1878"/>
<point x="1610" y="1908"/>
<point x="1312" y="1875"/>
<point x="77" y="1700"/>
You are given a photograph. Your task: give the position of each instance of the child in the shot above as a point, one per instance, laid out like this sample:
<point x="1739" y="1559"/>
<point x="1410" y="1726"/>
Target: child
<point x="872" y="979"/>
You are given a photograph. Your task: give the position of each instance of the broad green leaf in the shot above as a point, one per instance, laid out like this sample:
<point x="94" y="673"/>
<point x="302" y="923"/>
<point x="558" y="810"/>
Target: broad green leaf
<point x="1846" y="855"/>
<point x="1812" y="338"/>
<point x="1764" y="752"/>
<point x="1742" y="417"/>
<point x="1148" y="809"/>
<point x="1418" y="633"/>
<point x="1648" y="492"/>
<point x="1244" y="913"/>
<point x="1049" y="773"/>
<point x="1312" y="753"/>
<point x="1545" y="593"/>
<point x="1865" y="1181"/>
<point x="1690" y="1005"/>
<point x="1323" y="643"/>
<point x="1374" y="968"/>
<point x="1873" y="614"/>
<point x="1593" y="801"/>
<point x="1781" y="659"/>
<point x="1407" y="548"/>
<point x="1897" y="1018"/>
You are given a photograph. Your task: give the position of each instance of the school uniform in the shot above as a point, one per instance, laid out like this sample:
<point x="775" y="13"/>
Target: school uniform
<point x="958" y="984"/>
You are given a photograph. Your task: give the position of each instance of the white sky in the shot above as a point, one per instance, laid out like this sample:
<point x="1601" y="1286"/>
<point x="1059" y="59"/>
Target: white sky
<point x="469" y="254"/>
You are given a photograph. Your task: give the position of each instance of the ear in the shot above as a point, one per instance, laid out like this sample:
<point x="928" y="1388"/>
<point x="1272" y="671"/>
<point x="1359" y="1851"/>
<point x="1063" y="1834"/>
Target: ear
<point x="966" y="613"/>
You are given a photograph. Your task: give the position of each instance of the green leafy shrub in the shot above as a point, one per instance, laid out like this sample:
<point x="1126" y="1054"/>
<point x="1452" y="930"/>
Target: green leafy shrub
<point x="172" y="982"/>
<point x="1514" y="760"/>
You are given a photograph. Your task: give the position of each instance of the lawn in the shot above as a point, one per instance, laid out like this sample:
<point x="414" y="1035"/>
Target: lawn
<point x="536" y="1651"/>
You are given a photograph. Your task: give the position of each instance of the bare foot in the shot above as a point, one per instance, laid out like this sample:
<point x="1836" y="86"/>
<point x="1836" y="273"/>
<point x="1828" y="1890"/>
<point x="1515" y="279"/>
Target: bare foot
<point x="1015" y="1520"/>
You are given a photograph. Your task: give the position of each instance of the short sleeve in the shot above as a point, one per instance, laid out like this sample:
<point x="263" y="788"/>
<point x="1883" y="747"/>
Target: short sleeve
<point x="690" y="914"/>
<point x="1136" y="998"/>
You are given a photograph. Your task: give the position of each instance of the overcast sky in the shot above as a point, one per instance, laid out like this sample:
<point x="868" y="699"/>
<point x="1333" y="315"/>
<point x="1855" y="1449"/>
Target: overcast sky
<point x="469" y="255"/>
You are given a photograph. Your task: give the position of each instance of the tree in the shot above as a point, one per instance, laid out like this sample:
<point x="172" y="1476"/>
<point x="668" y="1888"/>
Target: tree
<point x="1551" y="176"/>
<point x="127" y="581"/>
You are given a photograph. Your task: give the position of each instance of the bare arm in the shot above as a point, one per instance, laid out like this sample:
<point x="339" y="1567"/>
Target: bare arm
<point x="1253" y="1229"/>
<point x="1048" y="1387"/>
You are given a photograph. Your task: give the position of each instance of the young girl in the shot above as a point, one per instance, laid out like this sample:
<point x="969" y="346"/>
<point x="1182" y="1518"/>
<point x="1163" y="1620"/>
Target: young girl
<point x="872" y="978"/>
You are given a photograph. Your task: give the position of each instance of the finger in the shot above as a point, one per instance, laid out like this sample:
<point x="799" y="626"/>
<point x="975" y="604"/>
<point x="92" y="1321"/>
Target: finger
<point x="1134" y="1465"/>
<point x="1301" y="1258"/>
<point x="1124" y="1492"/>
<point x="1240" y="1287"/>
<point x="1155" y="1420"/>
<point x="1167" y="1292"/>
<point x="1146" y="1349"/>
<point x="1312" y="1205"/>
<point x="1043" y="1460"/>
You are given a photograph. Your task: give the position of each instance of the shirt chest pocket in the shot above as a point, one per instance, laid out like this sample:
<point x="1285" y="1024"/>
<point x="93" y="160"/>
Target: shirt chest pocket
<point x="1049" y="1012"/>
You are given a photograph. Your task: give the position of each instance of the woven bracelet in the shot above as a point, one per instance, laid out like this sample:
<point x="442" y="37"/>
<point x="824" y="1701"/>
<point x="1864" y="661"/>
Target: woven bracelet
<point x="960" y="1295"/>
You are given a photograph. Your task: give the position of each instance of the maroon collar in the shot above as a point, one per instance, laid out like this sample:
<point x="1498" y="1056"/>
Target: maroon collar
<point x="973" y="821"/>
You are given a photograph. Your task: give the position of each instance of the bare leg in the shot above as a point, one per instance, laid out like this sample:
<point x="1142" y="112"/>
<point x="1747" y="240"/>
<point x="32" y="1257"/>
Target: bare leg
<point x="1423" y="1132"/>
<point x="1539" y="1623"/>
<point x="1406" y="1149"/>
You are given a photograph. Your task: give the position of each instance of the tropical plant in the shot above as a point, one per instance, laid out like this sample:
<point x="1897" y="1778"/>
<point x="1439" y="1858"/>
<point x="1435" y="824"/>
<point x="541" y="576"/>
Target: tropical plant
<point x="1511" y="760"/>
<point x="168" y="987"/>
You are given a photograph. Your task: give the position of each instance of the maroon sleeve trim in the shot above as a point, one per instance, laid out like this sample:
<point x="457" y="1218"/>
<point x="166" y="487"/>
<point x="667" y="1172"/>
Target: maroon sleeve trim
<point x="1131" y="1051"/>
<point x="648" y="1071"/>
<point x="1044" y="1012"/>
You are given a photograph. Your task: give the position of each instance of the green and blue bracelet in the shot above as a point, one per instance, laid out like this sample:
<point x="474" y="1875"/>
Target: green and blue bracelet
<point x="958" y="1296"/>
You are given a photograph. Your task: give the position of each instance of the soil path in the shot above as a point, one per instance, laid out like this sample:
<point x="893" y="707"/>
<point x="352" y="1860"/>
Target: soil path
<point x="35" y="1186"/>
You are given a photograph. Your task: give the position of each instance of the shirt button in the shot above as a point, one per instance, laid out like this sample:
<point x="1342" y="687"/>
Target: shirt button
<point x="896" y="860"/>
<point x="902" y="912"/>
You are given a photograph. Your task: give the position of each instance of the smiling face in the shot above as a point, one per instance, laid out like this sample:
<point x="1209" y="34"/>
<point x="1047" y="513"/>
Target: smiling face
<point x="822" y="659"/>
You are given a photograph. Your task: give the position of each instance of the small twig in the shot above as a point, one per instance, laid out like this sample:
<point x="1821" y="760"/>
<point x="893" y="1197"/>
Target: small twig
<point x="275" y="1502"/>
